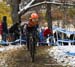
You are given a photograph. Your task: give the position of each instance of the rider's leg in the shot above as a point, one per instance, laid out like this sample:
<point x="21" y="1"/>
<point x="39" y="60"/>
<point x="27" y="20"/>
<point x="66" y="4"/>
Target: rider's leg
<point x="35" y="41"/>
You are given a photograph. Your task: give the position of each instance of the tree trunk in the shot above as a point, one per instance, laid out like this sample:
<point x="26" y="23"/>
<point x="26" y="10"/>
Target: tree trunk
<point x="48" y="16"/>
<point x="15" y="7"/>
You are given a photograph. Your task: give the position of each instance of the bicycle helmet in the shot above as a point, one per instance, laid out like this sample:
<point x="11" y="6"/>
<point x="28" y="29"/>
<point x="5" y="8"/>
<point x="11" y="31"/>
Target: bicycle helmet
<point x="34" y="16"/>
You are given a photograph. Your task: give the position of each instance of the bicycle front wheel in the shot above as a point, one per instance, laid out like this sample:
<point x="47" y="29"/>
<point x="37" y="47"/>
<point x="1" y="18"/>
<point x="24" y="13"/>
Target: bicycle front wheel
<point x="32" y="48"/>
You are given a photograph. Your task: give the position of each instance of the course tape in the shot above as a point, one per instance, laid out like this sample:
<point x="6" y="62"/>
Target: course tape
<point x="16" y="41"/>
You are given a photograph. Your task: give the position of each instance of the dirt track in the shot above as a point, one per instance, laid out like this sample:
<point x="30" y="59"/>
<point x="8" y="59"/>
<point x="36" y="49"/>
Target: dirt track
<point x="21" y="58"/>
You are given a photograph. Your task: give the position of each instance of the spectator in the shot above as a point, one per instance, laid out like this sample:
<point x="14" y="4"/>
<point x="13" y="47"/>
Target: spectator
<point x="1" y="31"/>
<point x="5" y="30"/>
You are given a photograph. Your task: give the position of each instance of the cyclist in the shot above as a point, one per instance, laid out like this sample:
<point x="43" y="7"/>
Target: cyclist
<point x="32" y="26"/>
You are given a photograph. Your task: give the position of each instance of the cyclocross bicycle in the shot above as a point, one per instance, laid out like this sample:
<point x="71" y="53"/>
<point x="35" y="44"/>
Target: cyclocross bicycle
<point x="32" y="45"/>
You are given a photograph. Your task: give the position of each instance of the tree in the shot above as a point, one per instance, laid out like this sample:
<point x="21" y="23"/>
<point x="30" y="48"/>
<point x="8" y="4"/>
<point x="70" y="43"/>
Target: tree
<point x="5" y="11"/>
<point x="15" y="8"/>
<point x="49" y="16"/>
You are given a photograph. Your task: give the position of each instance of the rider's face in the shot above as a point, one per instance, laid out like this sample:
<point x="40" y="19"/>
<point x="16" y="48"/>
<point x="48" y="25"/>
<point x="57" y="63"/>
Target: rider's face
<point x="35" y="20"/>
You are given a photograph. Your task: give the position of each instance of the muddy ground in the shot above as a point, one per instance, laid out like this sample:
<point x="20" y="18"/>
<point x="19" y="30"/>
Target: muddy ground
<point x="21" y="58"/>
